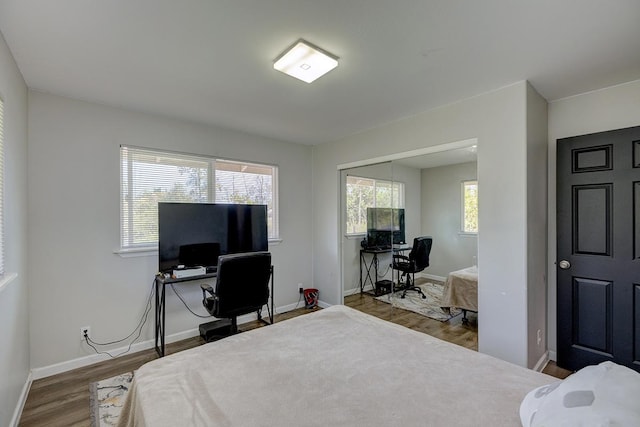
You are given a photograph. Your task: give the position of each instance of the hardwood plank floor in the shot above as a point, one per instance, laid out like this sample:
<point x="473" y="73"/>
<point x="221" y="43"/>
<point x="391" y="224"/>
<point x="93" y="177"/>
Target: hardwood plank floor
<point x="63" y="400"/>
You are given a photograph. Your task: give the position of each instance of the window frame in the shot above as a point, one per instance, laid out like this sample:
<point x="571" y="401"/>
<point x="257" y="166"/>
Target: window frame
<point x="401" y="199"/>
<point x="463" y="210"/>
<point x="128" y="246"/>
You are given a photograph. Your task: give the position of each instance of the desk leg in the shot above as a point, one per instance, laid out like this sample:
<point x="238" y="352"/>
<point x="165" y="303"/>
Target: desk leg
<point x="269" y="303"/>
<point x="160" y="317"/>
<point x="361" y="261"/>
<point x="272" y="313"/>
<point x="373" y="265"/>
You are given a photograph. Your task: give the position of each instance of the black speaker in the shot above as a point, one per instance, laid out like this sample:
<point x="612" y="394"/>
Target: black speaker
<point x="216" y="330"/>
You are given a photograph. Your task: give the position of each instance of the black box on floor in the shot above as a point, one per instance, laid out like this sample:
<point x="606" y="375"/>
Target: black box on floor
<point x="215" y="330"/>
<point x="383" y="287"/>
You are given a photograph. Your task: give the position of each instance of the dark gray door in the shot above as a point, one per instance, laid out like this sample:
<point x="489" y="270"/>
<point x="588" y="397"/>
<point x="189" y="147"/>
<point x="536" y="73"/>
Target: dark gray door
<point x="598" y="265"/>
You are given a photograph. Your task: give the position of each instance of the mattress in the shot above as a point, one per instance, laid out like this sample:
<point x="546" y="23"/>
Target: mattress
<point x="333" y="367"/>
<point x="461" y="289"/>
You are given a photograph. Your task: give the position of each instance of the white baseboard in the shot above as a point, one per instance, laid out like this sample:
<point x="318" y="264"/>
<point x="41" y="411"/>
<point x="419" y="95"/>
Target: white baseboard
<point x="369" y="287"/>
<point x="17" y="413"/>
<point x="433" y="277"/>
<point x="58" y="368"/>
<point x="542" y="362"/>
<point x="356" y="290"/>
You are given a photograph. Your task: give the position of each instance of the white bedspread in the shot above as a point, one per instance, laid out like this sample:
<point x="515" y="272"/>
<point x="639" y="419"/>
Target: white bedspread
<point x="334" y="367"/>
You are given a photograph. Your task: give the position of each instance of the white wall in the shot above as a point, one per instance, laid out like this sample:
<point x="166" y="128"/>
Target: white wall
<point x="498" y="120"/>
<point x="536" y="225"/>
<point x="611" y="108"/>
<point x="76" y="279"/>
<point x="351" y="245"/>
<point x="441" y="218"/>
<point x="14" y="308"/>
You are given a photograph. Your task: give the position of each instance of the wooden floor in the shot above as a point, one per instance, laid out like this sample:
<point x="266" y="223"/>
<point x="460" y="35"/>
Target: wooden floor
<point x="63" y="400"/>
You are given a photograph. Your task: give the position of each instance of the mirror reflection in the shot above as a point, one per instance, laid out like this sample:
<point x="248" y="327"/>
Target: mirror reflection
<point x="408" y="226"/>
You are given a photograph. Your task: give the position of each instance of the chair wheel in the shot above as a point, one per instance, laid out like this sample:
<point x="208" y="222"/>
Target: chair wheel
<point x="402" y="296"/>
<point x="424" y="297"/>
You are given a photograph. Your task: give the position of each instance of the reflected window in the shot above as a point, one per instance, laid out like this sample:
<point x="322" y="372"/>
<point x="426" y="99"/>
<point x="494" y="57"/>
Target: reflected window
<point x="363" y="193"/>
<point x="470" y="206"/>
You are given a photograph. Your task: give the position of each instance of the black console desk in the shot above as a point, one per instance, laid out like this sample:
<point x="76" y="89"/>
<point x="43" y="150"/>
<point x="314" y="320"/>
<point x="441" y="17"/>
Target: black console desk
<point x="372" y="263"/>
<point x="161" y="283"/>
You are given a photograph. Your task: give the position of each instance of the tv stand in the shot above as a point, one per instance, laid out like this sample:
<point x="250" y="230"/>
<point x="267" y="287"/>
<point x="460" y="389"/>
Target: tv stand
<point x="161" y="283"/>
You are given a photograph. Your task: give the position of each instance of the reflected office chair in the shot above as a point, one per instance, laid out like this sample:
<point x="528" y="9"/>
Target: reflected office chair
<point x="417" y="261"/>
<point x="242" y="286"/>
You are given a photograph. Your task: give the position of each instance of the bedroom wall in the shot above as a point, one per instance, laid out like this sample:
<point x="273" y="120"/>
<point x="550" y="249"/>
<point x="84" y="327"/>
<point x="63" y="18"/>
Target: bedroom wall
<point x="537" y="129"/>
<point x="598" y="111"/>
<point x="441" y="211"/>
<point x="76" y="278"/>
<point x="351" y="245"/>
<point x="498" y="120"/>
<point x="14" y="307"/>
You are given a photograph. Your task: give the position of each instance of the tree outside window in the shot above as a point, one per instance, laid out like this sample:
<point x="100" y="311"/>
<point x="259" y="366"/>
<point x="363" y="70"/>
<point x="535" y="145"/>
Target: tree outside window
<point x="470" y="206"/>
<point x="363" y="193"/>
<point x="149" y="176"/>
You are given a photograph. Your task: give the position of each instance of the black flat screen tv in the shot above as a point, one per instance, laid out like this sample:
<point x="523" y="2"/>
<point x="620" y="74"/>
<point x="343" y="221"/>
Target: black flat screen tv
<point x="195" y="234"/>
<point x="385" y="226"/>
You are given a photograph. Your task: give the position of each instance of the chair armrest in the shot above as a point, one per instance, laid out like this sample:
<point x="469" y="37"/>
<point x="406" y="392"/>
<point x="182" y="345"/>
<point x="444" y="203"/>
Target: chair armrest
<point x="401" y="257"/>
<point x="206" y="288"/>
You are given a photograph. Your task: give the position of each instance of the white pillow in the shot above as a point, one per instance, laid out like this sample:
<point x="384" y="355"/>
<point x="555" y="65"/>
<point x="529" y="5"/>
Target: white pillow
<point x="601" y="395"/>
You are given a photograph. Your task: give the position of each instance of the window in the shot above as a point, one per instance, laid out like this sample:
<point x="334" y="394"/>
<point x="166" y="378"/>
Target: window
<point x="1" y="188"/>
<point x="238" y="182"/>
<point x="470" y="206"/>
<point x="363" y="193"/>
<point x="148" y="177"/>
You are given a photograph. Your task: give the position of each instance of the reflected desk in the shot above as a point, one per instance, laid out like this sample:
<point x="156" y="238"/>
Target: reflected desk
<point x="371" y="264"/>
<point x="161" y="283"/>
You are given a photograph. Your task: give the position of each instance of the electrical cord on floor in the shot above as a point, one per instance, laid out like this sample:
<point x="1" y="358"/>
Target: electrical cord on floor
<point x="143" y="320"/>
<point x="185" y="304"/>
<point x="299" y="299"/>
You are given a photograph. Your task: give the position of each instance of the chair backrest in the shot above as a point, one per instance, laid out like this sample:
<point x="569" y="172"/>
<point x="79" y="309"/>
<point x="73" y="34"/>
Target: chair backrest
<point x="242" y="285"/>
<point x="420" y="251"/>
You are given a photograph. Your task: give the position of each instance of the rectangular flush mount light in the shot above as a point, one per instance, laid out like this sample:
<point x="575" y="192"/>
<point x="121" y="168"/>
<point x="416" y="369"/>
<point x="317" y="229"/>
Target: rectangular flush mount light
<point x="305" y="61"/>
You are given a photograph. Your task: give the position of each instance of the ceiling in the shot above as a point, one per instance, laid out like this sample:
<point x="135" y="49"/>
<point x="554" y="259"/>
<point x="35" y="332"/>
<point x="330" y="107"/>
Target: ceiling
<point x="210" y="61"/>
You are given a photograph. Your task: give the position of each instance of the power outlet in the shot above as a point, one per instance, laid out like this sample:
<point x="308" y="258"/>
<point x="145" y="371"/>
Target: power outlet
<point x="539" y="336"/>
<point x="300" y="288"/>
<point x="85" y="330"/>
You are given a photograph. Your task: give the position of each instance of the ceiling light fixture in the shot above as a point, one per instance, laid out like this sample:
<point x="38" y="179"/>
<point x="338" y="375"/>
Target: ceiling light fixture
<point x="305" y="61"/>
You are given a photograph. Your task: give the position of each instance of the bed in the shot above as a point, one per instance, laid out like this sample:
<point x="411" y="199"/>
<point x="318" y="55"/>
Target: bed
<point x="461" y="291"/>
<point x="333" y="367"/>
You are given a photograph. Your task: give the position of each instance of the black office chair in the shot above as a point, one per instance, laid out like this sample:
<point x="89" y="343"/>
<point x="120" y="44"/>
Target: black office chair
<point x="417" y="261"/>
<point x="242" y="286"/>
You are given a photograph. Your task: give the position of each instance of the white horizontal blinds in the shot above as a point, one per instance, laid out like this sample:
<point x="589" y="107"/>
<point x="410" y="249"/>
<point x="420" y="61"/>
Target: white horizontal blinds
<point x="363" y="193"/>
<point x="389" y="194"/>
<point x="1" y="187"/>
<point x="249" y="183"/>
<point x="149" y="177"/>
<point x="360" y="195"/>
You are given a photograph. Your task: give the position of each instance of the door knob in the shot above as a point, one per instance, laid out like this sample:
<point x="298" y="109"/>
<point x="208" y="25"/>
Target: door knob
<point x="564" y="264"/>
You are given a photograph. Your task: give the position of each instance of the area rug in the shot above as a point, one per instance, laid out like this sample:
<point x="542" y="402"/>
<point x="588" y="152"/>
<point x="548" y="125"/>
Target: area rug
<point x="106" y="398"/>
<point x="413" y="301"/>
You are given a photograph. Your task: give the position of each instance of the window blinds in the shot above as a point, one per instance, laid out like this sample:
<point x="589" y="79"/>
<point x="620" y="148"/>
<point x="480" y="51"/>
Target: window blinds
<point x="148" y="177"/>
